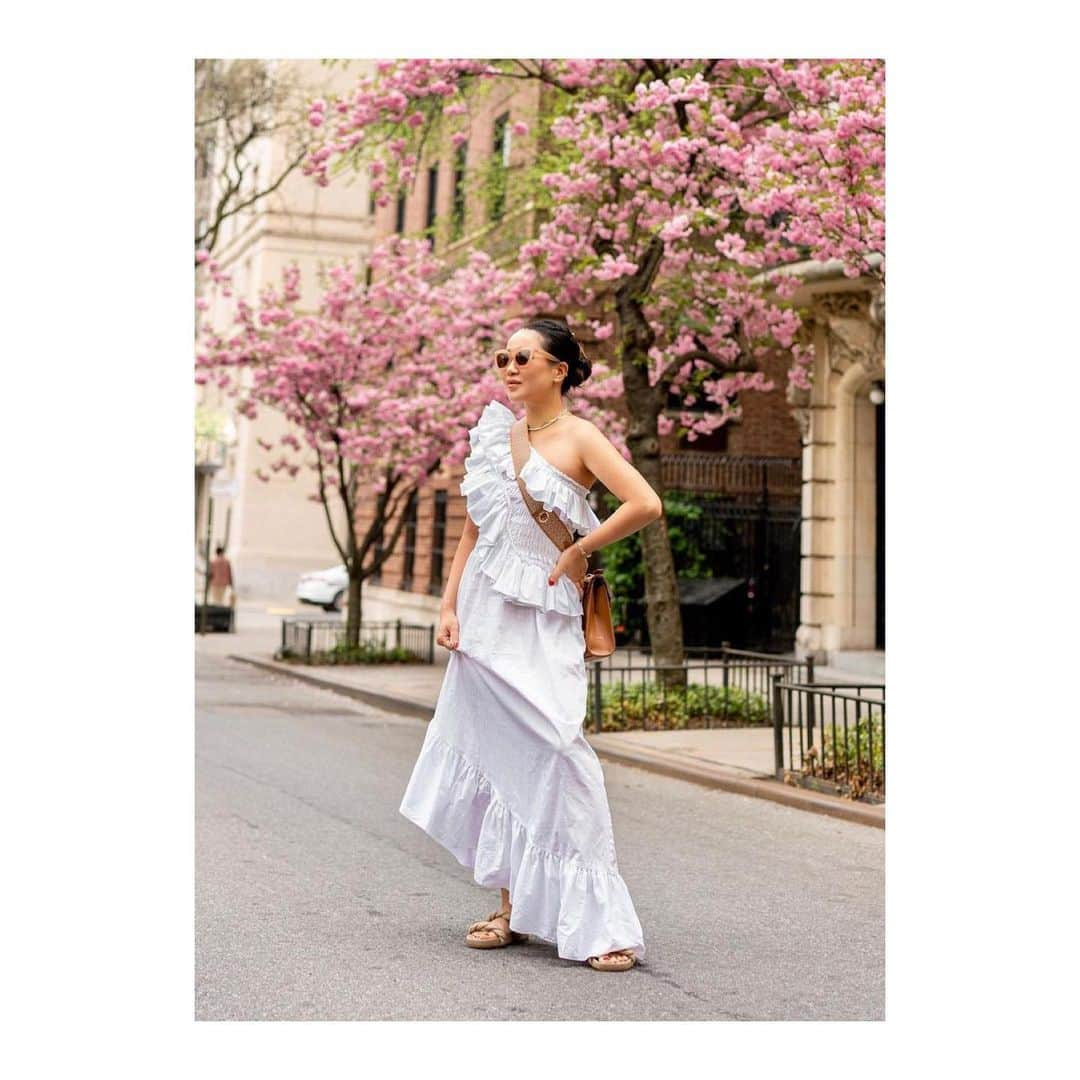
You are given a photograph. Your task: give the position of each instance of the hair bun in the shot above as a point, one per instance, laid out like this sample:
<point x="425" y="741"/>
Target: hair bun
<point x="586" y="363"/>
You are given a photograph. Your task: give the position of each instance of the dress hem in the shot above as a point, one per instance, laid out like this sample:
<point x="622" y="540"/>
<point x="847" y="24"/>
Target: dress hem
<point x="501" y="854"/>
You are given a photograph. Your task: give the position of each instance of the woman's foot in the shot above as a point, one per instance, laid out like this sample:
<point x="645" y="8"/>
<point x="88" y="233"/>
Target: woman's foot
<point x="618" y="960"/>
<point x="492" y="932"/>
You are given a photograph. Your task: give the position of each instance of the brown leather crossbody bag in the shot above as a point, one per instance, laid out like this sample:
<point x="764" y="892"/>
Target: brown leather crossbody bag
<point x="596" y="596"/>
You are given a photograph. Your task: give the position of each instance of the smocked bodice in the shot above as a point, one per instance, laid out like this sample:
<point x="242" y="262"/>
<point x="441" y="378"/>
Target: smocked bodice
<point x="512" y="550"/>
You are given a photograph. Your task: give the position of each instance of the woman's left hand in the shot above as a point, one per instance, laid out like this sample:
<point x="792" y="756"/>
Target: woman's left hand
<point x="574" y="565"/>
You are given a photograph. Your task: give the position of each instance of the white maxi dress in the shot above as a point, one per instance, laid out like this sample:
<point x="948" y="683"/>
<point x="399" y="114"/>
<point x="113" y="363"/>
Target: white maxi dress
<point x="505" y="779"/>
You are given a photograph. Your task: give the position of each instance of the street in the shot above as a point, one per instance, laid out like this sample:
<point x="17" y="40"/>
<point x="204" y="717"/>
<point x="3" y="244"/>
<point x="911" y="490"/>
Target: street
<point x="316" y="899"/>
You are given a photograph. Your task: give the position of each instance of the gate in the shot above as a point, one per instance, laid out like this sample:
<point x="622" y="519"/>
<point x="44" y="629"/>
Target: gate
<point x="750" y="530"/>
<point x="759" y="544"/>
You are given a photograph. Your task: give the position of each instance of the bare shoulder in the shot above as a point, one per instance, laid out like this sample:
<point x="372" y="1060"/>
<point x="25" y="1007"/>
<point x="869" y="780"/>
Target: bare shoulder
<point x="586" y="433"/>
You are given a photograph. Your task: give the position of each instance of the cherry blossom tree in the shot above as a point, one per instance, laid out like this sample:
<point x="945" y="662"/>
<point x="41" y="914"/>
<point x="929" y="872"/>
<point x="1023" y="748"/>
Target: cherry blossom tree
<point x="671" y="193"/>
<point x="380" y="384"/>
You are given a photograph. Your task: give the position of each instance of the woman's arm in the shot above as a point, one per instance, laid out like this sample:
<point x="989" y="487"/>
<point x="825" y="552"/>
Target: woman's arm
<point x="639" y="504"/>
<point x="465" y="546"/>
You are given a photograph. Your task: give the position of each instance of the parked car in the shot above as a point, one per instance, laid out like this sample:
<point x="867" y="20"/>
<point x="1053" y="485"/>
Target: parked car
<point x="328" y="589"/>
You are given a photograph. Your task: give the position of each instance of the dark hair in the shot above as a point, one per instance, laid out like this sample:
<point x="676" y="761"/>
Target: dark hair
<point x="559" y="340"/>
<point x="220" y="550"/>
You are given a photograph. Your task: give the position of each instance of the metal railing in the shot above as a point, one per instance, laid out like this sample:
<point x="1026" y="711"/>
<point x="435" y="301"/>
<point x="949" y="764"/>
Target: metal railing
<point x="830" y="736"/>
<point x="719" y="687"/>
<point x="311" y="637"/>
<point x="735" y="475"/>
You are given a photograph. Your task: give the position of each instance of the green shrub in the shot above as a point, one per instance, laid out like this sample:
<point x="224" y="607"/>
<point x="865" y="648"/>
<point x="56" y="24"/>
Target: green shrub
<point x="364" y="653"/>
<point x="852" y="760"/>
<point x="650" y="705"/>
<point x="624" y="560"/>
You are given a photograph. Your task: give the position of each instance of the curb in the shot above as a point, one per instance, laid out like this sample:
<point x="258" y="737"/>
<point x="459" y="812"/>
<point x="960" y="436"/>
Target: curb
<point x="706" y="775"/>
<point x="764" y="788"/>
<point x="400" y="705"/>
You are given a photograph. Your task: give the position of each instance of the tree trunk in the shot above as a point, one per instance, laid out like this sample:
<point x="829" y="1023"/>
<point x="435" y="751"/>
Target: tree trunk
<point x="644" y="402"/>
<point x="662" y="612"/>
<point x="356" y="586"/>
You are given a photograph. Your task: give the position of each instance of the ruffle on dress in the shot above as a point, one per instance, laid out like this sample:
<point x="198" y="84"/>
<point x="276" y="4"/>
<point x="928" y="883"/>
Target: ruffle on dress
<point x="487" y="487"/>
<point x="583" y="908"/>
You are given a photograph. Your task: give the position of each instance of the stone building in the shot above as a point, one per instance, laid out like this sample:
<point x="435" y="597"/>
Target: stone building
<point x="272" y="531"/>
<point x="842" y="423"/>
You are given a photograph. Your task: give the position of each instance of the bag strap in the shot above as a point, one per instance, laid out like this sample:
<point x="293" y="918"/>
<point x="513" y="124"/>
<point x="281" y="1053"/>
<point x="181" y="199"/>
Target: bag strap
<point x="553" y="526"/>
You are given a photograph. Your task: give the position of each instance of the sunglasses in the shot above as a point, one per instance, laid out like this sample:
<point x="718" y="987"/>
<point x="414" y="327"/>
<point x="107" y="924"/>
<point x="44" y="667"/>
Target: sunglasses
<point x="522" y="356"/>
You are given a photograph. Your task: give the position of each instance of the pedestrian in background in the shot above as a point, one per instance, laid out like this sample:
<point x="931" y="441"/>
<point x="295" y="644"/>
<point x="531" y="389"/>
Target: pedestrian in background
<point x="221" y="577"/>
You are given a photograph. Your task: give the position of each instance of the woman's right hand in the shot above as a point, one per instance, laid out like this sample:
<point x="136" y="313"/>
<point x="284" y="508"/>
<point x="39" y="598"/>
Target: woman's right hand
<point x="449" y="630"/>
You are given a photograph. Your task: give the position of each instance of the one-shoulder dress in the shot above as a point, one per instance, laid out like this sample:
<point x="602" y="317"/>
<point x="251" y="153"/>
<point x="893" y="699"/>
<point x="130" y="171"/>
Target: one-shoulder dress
<point x="506" y="780"/>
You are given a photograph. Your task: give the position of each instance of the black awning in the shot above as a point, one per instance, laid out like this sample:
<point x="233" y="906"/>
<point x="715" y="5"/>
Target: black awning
<point x="700" y="592"/>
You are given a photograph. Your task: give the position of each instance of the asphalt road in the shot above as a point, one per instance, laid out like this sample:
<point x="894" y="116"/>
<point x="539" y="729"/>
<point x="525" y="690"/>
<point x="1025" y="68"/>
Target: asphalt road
<point x="317" y="900"/>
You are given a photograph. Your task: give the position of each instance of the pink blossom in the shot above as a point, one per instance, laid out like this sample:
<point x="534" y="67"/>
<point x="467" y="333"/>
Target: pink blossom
<point x="739" y="167"/>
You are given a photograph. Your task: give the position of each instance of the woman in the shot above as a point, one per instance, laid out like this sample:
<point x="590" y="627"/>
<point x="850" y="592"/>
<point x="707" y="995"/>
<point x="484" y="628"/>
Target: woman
<point x="505" y="780"/>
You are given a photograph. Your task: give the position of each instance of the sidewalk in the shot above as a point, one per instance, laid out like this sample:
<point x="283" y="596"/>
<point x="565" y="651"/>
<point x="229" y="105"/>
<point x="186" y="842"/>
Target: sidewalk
<point x="739" y="760"/>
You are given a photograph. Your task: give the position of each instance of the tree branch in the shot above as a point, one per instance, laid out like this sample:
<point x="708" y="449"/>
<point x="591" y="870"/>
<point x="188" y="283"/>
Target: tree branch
<point x="326" y="505"/>
<point x="224" y="215"/>
<point x="667" y="377"/>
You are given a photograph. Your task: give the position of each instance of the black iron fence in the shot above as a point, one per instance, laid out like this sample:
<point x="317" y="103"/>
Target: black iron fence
<point x="830" y="736"/>
<point x="308" y="638"/>
<point x="716" y="686"/>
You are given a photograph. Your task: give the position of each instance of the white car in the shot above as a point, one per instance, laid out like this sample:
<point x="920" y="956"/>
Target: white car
<point x="328" y="589"/>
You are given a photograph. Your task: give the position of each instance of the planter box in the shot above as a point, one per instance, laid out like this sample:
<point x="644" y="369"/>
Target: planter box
<point x="219" y="619"/>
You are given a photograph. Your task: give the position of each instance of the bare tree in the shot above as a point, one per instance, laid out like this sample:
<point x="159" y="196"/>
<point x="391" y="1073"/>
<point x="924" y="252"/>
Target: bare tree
<point x="238" y="104"/>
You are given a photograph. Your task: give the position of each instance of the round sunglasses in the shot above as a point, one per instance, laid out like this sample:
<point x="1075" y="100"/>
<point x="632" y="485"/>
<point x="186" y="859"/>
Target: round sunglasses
<point x="522" y="356"/>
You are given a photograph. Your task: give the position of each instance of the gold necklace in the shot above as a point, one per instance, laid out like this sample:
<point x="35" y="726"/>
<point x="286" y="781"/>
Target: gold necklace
<point x="548" y="423"/>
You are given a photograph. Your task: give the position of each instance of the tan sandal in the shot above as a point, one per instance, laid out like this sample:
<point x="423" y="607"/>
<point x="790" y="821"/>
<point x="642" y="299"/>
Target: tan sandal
<point x="502" y="936"/>
<point x="617" y="960"/>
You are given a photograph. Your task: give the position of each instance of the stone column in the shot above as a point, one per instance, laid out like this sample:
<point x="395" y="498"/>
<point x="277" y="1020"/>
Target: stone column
<point x="837" y="419"/>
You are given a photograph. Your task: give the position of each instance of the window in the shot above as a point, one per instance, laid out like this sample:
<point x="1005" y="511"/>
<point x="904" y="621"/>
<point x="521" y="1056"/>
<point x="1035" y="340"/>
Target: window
<point x="457" y="212"/>
<point x="500" y="162"/>
<point x="204" y="159"/>
<point x="438" y="541"/>
<point x="410" y="542"/>
<point x="399" y="221"/>
<point x="432" y="196"/>
<point x="502" y="139"/>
